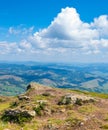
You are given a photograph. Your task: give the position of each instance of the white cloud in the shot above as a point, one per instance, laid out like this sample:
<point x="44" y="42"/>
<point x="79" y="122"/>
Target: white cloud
<point x="101" y="25"/>
<point x="8" y="48"/>
<point x="69" y="32"/>
<point x="67" y="35"/>
<point x="20" y="30"/>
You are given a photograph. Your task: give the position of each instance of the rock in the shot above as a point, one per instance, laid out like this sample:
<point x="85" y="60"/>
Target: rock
<point x="62" y="110"/>
<point x="12" y="112"/>
<point x="31" y="113"/>
<point x="47" y="111"/>
<point x="35" y="86"/>
<point x="75" y="99"/>
<point x="42" y="101"/>
<point x="81" y="123"/>
<point x="23" y="97"/>
<point x="52" y="127"/>
<point x="17" y="115"/>
<point x="46" y="94"/>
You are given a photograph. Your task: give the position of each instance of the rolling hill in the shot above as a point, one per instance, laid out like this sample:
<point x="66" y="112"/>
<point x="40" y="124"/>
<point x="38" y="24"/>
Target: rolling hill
<point x="48" y="108"/>
<point x="14" y="77"/>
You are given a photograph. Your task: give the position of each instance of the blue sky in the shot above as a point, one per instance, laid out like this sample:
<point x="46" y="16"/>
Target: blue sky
<point x="54" y="31"/>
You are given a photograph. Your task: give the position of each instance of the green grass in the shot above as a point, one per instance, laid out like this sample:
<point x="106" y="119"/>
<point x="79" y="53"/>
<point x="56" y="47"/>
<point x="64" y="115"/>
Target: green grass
<point x="104" y="127"/>
<point x="28" y="126"/>
<point x="5" y="125"/>
<point x="106" y="117"/>
<point x="87" y="109"/>
<point x="100" y="95"/>
<point x="42" y="97"/>
<point x="34" y="125"/>
<point x="94" y="94"/>
<point x="39" y="109"/>
<point x="73" y="121"/>
<point x="4" y="106"/>
<point x="55" y="121"/>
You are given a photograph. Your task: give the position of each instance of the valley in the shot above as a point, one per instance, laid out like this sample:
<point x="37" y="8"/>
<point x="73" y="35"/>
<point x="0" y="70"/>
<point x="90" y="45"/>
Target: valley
<point x="14" y="77"/>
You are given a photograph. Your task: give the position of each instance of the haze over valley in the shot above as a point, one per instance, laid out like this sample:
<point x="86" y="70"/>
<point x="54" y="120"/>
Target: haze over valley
<point x="14" y="77"/>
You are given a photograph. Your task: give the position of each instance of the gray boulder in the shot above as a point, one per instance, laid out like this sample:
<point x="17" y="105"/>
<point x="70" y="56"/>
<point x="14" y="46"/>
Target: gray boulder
<point x="18" y="115"/>
<point x="15" y="112"/>
<point x="23" y="97"/>
<point x="75" y="99"/>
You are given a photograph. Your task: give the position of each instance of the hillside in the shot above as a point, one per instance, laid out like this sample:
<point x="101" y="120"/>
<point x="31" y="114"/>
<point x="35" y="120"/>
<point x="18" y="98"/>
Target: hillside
<point x="15" y="77"/>
<point x="48" y="108"/>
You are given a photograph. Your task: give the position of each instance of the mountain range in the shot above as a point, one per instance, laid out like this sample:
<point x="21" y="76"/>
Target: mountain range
<point x="14" y="77"/>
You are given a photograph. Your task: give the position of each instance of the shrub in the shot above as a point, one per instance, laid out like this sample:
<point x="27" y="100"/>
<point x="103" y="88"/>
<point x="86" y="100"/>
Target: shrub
<point x="79" y="102"/>
<point x="46" y="94"/>
<point x="39" y="109"/>
<point x="14" y="104"/>
<point x="64" y="101"/>
<point x="16" y="116"/>
<point x="73" y="121"/>
<point x="104" y="126"/>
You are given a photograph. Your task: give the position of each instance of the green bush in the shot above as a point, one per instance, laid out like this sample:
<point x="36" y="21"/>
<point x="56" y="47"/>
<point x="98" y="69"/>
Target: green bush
<point x="39" y="109"/>
<point x="14" y="104"/>
<point x="64" y="101"/>
<point x="18" y="118"/>
<point x="46" y="94"/>
<point x="79" y="102"/>
<point x="68" y="101"/>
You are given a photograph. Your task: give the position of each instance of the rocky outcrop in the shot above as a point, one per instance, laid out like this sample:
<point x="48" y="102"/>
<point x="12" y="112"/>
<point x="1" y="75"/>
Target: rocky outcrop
<point x="42" y="103"/>
<point x="75" y="99"/>
<point x="23" y="97"/>
<point x="18" y="115"/>
<point x="15" y="112"/>
<point x="35" y="86"/>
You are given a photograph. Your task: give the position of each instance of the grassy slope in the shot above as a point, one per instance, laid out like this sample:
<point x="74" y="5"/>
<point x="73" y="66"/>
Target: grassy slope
<point x="63" y="117"/>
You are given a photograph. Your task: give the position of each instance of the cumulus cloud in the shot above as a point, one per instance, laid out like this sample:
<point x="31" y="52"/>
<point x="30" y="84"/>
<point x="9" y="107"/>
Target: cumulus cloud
<point x="67" y="35"/>
<point x="68" y="26"/>
<point x="6" y="47"/>
<point x="69" y="32"/>
<point x="20" y="30"/>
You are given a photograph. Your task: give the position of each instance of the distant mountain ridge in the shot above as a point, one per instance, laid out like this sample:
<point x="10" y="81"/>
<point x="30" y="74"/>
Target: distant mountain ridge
<point x="14" y="77"/>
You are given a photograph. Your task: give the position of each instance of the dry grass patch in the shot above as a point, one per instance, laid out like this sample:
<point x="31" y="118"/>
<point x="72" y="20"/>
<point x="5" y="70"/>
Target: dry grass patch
<point x="87" y="109"/>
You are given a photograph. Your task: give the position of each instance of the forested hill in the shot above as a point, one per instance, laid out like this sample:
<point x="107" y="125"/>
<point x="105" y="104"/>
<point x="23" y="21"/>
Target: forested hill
<point x="14" y="77"/>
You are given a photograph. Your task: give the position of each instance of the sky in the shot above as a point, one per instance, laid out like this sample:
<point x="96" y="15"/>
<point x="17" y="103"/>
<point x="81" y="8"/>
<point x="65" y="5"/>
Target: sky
<point x="54" y="30"/>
